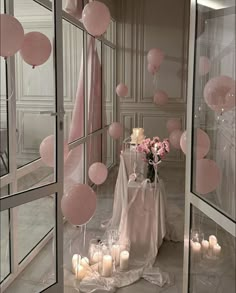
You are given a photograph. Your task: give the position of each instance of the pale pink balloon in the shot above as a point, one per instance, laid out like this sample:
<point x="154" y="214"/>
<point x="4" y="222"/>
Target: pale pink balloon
<point x="155" y="57"/>
<point x="122" y="90"/>
<point x="115" y="130"/>
<point x="47" y="149"/>
<point x="173" y="124"/>
<point x="201" y="146"/>
<point x="36" y="48"/>
<point x="160" y="98"/>
<point x="208" y="176"/>
<point x="12" y="35"/>
<point x="79" y="204"/>
<point x="216" y="93"/>
<point x="152" y="69"/>
<point x="204" y="65"/>
<point x="98" y="173"/>
<point x="96" y="18"/>
<point x="175" y="138"/>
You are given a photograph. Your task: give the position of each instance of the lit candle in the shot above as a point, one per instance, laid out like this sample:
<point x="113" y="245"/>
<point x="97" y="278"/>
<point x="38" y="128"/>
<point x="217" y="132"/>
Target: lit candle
<point x="216" y="249"/>
<point x="97" y="256"/>
<point x="80" y="272"/>
<point x="196" y="247"/>
<point x="75" y="261"/>
<point x="124" y="260"/>
<point x="205" y="245"/>
<point x="115" y="253"/>
<point x="107" y="266"/>
<point x="84" y="262"/>
<point x="212" y="240"/>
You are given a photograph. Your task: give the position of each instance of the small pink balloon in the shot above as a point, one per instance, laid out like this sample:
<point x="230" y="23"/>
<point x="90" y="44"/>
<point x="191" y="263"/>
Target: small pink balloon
<point x="96" y="18"/>
<point x="36" y="48"/>
<point x="12" y="35"/>
<point x="155" y="57"/>
<point x="115" y="130"/>
<point x="204" y="65"/>
<point x="202" y="145"/>
<point x="208" y="176"/>
<point x="122" y="90"/>
<point x="173" y="124"/>
<point x="160" y="98"/>
<point x="79" y="204"/>
<point x="152" y="69"/>
<point x="46" y="150"/>
<point x="175" y="138"/>
<point x="216" y="93"/>
<point x="98" y="173"/>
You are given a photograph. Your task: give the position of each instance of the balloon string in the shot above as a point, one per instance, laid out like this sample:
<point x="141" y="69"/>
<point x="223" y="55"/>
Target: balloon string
<point x="84" y="236"/>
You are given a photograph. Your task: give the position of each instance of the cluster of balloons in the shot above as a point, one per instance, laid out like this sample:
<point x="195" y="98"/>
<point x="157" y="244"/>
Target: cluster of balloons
<point x="96" y="18"/>
<point x="154" y="57"/>
<point x="35" y="48"/>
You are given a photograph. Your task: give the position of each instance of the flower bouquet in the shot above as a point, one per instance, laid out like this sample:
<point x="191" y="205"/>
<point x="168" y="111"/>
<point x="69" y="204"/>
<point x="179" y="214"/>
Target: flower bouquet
<point x="154" y="150"/>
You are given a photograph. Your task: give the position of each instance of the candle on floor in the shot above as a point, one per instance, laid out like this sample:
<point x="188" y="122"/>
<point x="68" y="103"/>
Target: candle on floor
<point x="212" y="240"/>
<point x="84" y="262"/>
<point x="107" y="266"/>
<point x="115" y="253"/>
<point x="80" y="272"/>
<point x="75" y="261"/>
<point x="124" y="260"/>
<point x="196" y="247"/>
<point x="205" y="245"/>
<point x="216" y="249"/>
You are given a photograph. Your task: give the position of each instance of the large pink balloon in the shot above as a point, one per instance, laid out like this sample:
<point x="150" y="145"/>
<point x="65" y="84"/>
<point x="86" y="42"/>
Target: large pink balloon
<point x="216" y="93"/>
<point x="152" y="69"/>
<point x="204" y="65"/>
<point x="202" y="145"/>
<point x="155" y="57"/>
<point x="208" y="176"/>
<point x="12" y="35"/>
<point x="36" y="48"/>
<point x="175" y="138"/>
<point x="160" y="98"/>
<point x="122" y="90"/>
<point x="115" y="130"/>
<point x="96" y="18"/>
<point x="46" y="150"/>
<point x="98" y="173"/>
<point x="173" y="124"/>
<point x="79" y="204"/>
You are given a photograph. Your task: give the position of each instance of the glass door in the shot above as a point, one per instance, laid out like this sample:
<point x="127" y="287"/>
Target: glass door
<point x="31" y="150"/>
<point x="209" y="252"/>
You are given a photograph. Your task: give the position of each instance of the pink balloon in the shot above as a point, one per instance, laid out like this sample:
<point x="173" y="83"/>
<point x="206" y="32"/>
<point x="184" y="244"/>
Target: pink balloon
<point x="115" y="130"/>
<point x="96" y="18"/>
<point x="175" y="138"/>
<point x="208" y="176"/>
<point x="155" y="57"/>
<point x="204" y="65"/>
<point x="46" y="150"/>
<point x="202" y="145"/>
<point x="36" y="48"/>
<point x="122" y="90"/>
<point x="98" y="173"/>
<point x="173" y="124"/>
<point x="79" y="204"/>
<point x="160" y="98"/>
<point x="12" y="35"/>
<point x="216" y="93"/>
<point x="152" y="69"/>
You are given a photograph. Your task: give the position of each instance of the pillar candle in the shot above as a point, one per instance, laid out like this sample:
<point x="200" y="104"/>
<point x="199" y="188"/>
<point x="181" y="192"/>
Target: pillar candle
<point x="196" y="247"/>
<point x="115" y="253"/>
<point x="124" y="260"/>
<point x="107" y="266"/>
<point x="205" y="245"/>
<point x="212" y="240"/>
<point x="216" y="249"/>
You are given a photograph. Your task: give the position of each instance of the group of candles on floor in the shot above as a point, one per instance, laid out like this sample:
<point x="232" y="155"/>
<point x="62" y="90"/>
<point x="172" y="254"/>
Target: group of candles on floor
<point x="104" y="258"/>
<point x="209" y="248"/>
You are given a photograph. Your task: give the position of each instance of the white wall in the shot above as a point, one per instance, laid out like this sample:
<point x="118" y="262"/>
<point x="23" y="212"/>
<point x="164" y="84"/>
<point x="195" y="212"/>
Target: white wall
<point x="143" y="25"/>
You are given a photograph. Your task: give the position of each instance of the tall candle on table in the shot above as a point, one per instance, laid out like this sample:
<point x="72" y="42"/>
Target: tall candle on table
<point x="124" y="260"/>
<point x="107" y="266"/>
